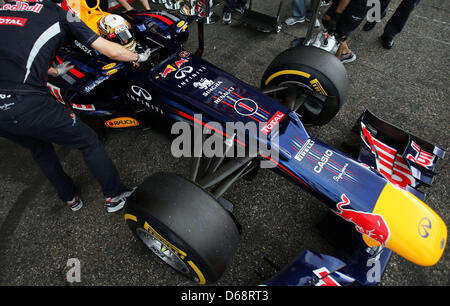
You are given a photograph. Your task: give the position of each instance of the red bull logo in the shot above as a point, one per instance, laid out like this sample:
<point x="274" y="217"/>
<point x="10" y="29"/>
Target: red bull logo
<point x="371" y="225"/>
<point x="172" y="68"/>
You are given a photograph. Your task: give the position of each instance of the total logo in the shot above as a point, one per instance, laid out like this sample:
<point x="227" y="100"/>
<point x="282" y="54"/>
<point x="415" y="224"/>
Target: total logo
<point x="16" y="21"/>
<point x="272" y="123"/>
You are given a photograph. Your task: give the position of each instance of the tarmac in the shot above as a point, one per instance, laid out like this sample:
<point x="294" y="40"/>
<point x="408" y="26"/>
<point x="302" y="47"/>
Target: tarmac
<point x="407" y="86"/>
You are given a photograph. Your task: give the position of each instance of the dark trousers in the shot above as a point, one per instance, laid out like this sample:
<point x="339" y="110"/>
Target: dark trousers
<point x="35" y="122"/>
<point x="351" y="17"/>
<point x="398" y="20"/>
<point x="230" y="5"/>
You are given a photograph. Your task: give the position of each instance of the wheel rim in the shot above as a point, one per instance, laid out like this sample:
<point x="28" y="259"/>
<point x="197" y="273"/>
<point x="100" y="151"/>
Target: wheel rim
<point x="295" y="90"/>
<point x="161" y="250"/>
<point x="298" y="89"/>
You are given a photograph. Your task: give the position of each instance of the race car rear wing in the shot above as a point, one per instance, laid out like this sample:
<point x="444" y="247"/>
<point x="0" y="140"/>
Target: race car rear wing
<point x="404" y="159"/>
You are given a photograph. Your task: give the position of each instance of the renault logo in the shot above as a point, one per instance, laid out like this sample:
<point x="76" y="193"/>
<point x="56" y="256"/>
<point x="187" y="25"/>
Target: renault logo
<point x="424" y="227"/>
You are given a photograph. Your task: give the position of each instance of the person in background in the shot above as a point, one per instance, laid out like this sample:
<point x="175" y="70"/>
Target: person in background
<point x="128" y="7"/>
<point x="229" y="6"/>
<point x="396" y="23"/>
<point x="300" y="14"/>
<point x="342" y="18"/>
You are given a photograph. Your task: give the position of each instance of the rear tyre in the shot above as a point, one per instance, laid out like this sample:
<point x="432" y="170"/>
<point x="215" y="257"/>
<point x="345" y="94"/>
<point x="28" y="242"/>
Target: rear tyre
<point x="305" y="71"/>
<point x="183" y="225"/>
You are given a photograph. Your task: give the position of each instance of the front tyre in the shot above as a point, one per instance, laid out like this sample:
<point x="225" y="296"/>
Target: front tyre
<point x="184" y="226"/>
<point x="312" y="73"/>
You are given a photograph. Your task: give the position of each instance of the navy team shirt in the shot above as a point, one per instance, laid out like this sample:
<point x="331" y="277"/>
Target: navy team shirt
<point x="30" y="34"/>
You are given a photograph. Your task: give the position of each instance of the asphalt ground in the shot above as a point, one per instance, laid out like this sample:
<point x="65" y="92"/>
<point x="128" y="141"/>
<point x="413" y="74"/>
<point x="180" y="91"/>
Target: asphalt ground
<point x="407" y="86"/>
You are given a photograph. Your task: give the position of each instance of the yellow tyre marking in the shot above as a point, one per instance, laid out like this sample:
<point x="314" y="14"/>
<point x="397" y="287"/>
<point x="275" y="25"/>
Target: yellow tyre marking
<point x="130" y="217"/>
<point x="177" y="251"/>
<point x="182" y="254"/>
<point x="198" y="272"/>
<point x="284" y="72"/>
<point x="318" y="87"/>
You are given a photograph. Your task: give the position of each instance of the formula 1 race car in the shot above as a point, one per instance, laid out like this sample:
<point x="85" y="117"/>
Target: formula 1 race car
<point x="186" y="222"/>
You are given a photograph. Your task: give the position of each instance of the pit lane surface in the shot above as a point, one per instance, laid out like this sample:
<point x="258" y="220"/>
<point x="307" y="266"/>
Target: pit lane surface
<point x="407" y="86"/>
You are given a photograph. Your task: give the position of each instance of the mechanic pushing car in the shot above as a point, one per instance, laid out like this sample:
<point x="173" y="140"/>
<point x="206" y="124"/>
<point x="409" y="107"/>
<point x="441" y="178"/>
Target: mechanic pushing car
<point x="30" y="116"/>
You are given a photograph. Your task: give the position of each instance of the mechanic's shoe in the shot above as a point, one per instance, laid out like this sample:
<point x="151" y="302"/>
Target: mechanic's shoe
<point x="387" y="42"/>
<point x="348" y="57"/>
<point x="293" y="20"/>
<point x="226" y="18"/>
<point x="75" y="204"/>
<point x="116" y="203"/>
<point x="240" y="10"/>
<point x="368" y="26"/>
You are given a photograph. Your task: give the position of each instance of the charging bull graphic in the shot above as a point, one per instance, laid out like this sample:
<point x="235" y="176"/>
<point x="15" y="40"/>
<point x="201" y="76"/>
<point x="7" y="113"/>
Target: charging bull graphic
<point x="371" y="225"/>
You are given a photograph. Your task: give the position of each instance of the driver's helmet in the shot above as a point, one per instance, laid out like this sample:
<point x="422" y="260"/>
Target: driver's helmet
<point x="116" y="29"/>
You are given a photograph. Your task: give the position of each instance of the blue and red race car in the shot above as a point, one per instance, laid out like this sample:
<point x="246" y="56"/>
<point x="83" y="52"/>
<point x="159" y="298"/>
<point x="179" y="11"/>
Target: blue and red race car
<point x="186" y="221"/>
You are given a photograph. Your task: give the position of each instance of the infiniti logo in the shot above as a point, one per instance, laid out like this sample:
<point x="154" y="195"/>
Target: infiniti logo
<point x="424" y="227"/>
<point x="181" y="74"/>
<point x="141" y="92"/>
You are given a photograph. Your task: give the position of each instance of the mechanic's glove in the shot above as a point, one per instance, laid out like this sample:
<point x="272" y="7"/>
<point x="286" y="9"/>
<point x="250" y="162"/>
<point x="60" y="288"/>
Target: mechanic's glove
<point x="143" y="57"/>
<point x="63" y="68"/>
<point x="331" y="24"/>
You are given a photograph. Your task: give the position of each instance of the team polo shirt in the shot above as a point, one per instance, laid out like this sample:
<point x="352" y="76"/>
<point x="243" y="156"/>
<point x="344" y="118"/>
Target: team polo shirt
<point x="30" y="34"/>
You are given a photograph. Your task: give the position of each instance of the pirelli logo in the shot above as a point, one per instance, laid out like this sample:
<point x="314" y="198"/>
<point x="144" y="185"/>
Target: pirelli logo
<point x="304" y="150"/>
<point x="318" y="87"/>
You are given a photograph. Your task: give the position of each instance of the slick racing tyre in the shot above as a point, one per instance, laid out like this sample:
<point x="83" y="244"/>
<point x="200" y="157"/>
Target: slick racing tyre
<point x="311" y="73"/>
<point x="183" y="225"/>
